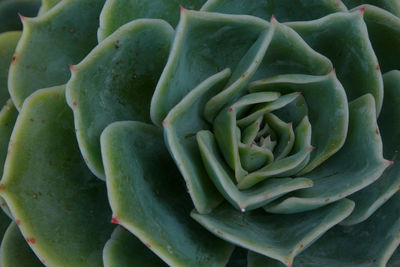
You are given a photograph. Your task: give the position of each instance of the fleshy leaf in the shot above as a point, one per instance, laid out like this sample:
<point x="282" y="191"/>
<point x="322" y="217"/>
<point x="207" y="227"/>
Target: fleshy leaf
<point x="327" y="110"/>
<point x="383" y="30"/>
<point x="66" y="33"/>
<point x="152" y="203"/>
<point x="116" y="13"/>
<point x="47" y="5"/>
<point x="116" y="81"/>
<point x="223" y="178"/>
<point x="61" y="208"/>
<point x="9" y="9"/>
<point x="207" y="43"/>
<point x="370" y="243"/>
<point x="392" y="6"/>
<point x="283" y="10"/>
<point x="15" y="251"/>
<point x="8" y="42"/>
<point x="358" y="164"/>
<point x="8" y="116"/>
<point x="280" y="237"/>
<point x="124" y="249"/>
<point x="181" y="126"/>
<point x="376" y="194"/>
<point x="352" y="50"/>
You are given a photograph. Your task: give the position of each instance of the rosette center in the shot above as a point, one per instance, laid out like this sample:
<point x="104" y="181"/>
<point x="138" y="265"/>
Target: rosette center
<point x="264" y="134"/>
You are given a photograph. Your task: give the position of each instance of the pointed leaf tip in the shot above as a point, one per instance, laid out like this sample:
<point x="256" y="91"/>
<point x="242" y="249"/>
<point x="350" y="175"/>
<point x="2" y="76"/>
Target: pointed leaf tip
<point x="21" y="17"/>
<point x="362" y="9"/>
<point x="71" y="67"/>
<point x="272" y="17"/>
<point x="114" y="220"/>
<point x="389" y="162"/>
<point x="181" y="8"/>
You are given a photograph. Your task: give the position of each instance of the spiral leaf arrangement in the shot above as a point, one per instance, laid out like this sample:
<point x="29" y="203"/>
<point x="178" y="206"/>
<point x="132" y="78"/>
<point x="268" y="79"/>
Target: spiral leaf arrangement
<point x="217" y="133"/>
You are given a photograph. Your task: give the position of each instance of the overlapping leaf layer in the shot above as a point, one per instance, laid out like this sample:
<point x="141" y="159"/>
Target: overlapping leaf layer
<point x="215" y="133"/>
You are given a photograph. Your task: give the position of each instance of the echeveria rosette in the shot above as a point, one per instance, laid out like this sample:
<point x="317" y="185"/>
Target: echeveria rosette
<point x="272" y="125"/>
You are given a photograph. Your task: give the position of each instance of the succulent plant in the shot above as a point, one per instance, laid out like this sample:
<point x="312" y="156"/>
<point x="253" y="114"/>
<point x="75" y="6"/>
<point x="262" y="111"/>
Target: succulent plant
<point x="200" y="133"/>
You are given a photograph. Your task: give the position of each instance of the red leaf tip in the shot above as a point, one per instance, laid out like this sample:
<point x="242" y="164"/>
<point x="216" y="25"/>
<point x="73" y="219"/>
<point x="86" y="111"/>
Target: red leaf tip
<point x="71" y="67"/>
<point x="114" y="220"/>
<point x="18" y="222"/>
<point x="21" y="17"/>
<point x="181" y="8"/>
<point x="272" y="17"/>
<point x="389" y="162"/>
<point x="362" y="9"/>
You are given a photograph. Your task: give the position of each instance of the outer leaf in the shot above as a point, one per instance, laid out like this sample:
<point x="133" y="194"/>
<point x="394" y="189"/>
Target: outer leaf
<point x="124" y="249"/>
<point x="66" y="34"/>
<point x="9" y="9"/>
<point x="148" y="198"/>
<point x="61" y="207"/>
<point x="368" y="244"/>
<point x="47" y="5"/>
<point x="375" y="195"/>
<point x="283" y="10"/>
<point x="352" y="50"/>
<point x="8" y="42"/>
<point x="384" y="32"/>
<point x="8" y="116"/>
<point x="358" y="164"/>
<point x="116" y="82"/>
<point x="280" y="237"/>
<point x="116" y="13"/>
<point x="15" y="251"/>
<point x="392" y="6"/>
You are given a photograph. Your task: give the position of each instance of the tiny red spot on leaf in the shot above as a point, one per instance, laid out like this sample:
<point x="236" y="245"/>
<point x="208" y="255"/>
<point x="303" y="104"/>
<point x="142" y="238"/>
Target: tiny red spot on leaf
<point x="114" y="220"/>
<point x="148" y="245"/>
<point x="18" y="222"/>
<point x="362" y="9"/>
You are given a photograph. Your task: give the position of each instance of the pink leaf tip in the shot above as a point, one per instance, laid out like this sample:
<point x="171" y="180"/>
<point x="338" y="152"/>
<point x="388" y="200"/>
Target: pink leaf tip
<point x="311" y="148"/>
<point x="114" y="220"/>
<point x="362" y="9"/>
<point x="71" y="67"/>
<point x="389" y="162"/>
<point x="181" y="8"/>
<point x="21" y="17"/>
<point x="272" y="17"/>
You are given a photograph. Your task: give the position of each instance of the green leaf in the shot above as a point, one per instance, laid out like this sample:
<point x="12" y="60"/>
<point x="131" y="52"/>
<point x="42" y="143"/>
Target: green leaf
<point x="61" y="207"/>
<point x="223" y="178"/>
<point x="392" y="6"/>
<point x="181" y="126"/>
<point x="358" y="164"/>
<point x="47" y="5"/>
<point x="327" y="110"/>
<point x="283" y="10"/>
<point x="124" y="249"/>
<point x="352" y="51"/>
<point x="15" y="251"/>
<point x="152" y="203"/>
<point x="207" y="43"/>
<point x="384" y="31"/>
<point x="8" y="42"/>
<point x="51" y="42"/>
<point x="372" y="197"/>
<point x="117" y="13"/>
<point x="280" y="237"/>
<point x="116" y="81"/>
<point x="9" y="10"/>
<point x="370" y="243"/>
<point x="8" y="116"/>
